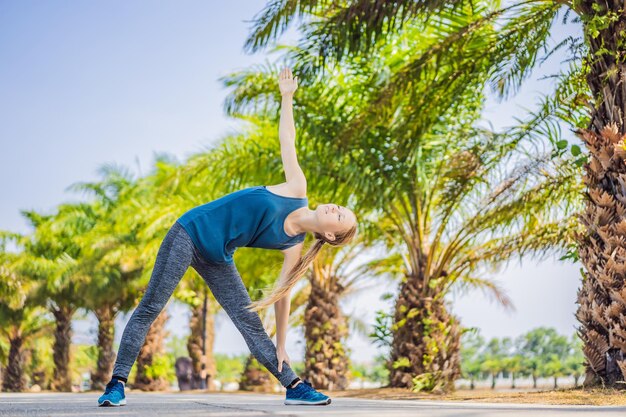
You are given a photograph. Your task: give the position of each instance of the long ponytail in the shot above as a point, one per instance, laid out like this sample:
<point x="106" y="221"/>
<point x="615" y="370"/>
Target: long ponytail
<point x="301" y="267"/>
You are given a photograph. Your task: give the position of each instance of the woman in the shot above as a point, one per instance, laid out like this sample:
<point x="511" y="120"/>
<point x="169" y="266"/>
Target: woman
<point x="272" y="217"/>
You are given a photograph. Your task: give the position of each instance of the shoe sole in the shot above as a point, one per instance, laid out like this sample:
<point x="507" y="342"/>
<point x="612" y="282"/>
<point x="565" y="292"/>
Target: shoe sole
<point x="107" y="403"/>
<point x="301" y="402"/>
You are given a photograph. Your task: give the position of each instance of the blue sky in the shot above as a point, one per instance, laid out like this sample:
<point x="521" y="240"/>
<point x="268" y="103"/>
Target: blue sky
<point x="88" y="83"/>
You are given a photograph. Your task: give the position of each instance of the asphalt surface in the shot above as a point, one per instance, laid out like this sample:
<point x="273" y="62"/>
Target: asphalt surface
<point x="253" y="405"/>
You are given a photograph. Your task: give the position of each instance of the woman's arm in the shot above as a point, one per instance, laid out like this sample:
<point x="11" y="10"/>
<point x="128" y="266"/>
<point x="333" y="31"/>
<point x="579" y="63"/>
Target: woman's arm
<point x="282" y="306"/>
<point x="287" y="131"/>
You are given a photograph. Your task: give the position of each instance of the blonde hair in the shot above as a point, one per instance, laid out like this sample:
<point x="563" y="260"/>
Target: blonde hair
<point x="301" y="267"/>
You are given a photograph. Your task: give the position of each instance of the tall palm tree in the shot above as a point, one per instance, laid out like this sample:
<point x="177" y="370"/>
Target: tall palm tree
<point x="51" y="255"/>
<point x="259" y="270"/>
<point x="153" y="348"/>
<point x="448" y="200"/>
<point x="111" y="259"/>
<point x="21" y="317"/>
<point x="354" y="27"/>
<point x="335" y="275"/>
<point x="201" y="341"/>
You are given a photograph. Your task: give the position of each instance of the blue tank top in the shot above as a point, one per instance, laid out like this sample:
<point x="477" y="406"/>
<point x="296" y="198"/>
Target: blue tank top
<point x="252" y="217"/>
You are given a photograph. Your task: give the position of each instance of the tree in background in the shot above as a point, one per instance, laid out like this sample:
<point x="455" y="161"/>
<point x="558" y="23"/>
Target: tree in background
<point x="51" y="255"/>
<point x="112" y="260"/>
<point x="195" y="293"/>
<point x="540" y="346"/>
<point x="521" y="40"/>
<point x="540" y="352"/>
<point x="334" y="276"/>
<point x="496" y="353"/>
<point x="445" y="197"/>
<point x="21" y="317"/>
<point x="575" y="362"/>
<point x="471" y="355"/>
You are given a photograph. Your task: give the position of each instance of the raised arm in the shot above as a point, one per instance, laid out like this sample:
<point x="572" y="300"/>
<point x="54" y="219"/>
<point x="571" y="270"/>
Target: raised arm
<point x="287" y="132"/>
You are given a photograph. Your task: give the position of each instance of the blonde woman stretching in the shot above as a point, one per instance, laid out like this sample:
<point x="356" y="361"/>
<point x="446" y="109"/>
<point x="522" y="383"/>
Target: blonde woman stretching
<point x="205" y="238"/>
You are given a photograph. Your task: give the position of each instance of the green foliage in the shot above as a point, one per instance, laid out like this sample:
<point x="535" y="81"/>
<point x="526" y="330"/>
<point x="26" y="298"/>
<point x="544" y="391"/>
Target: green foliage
<point x="376" y="371"/>
<point x="401" y="363"/>
<point x="382" y="334"/>
<point x="177" y="346"/>
<point x="162" y="366"/>
<point x="229" y="367"/>
<point x="471" y="353"/>
<point x="83" y="360"/>
<point x="40" y="365"/>
<point x="426" y="382"/>
<point x="297" y="367"/>
<point x="541" y="352"/>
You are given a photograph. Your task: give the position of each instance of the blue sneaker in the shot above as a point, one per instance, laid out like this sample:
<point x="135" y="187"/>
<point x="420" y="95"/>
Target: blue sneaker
<point x="305" y="394"/>
<point x="113" y="395"/>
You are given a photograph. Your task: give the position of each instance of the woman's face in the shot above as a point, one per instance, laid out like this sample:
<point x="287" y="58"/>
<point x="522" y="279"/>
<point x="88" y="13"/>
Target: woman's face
<point x="334" y="218"/>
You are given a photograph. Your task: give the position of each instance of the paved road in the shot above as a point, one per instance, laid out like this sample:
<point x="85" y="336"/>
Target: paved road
<point x="244" y="405"/>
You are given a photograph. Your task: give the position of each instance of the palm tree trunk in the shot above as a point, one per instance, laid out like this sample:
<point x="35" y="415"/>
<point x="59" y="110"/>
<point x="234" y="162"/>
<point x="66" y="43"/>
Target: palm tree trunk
<point x="151" y="349"/>
<point x="602" y="297"/>
<point x="426" y="341"/>
<point x="62" y="380"/>
<point x="256" y="377"/>
<point x="106" y="356"/>
<point x="194" y="347"/>
<point x="325" y="330"/>
<point x="14" y="379"/>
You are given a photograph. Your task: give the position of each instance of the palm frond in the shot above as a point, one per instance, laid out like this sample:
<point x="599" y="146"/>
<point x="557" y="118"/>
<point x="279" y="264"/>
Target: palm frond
<point x="489" y="288"/>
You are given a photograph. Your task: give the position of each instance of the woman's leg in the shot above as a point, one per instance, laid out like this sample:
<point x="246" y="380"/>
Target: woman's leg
<point x="227" y="287"/>
<point x="173" y="259"/>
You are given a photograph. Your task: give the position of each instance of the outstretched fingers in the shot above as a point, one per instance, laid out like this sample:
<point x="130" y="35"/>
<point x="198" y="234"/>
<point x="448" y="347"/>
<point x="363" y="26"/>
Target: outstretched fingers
<point x="285" y="74"/>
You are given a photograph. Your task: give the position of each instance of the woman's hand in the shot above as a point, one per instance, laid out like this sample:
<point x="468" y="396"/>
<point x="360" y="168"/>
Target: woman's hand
<point x="287" y="83"/>
<point x="281" y="354"/>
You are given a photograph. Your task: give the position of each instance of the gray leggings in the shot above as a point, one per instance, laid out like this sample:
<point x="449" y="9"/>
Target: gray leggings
<point x="176" y="254"/>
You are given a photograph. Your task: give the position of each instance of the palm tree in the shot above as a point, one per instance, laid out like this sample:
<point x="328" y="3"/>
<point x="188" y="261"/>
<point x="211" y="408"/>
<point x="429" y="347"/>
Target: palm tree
<point x="448" y="197"/>
<point x="537" y="347"/>
<point x="325" y="329"/>
<point x="495" y="358"/>
<point x="355" y="27"/>
<point x="21" y="317"/>
<point x="194" y="292"/>
<point x="515" y="365"/>
<point x="112" y="257"/>
<point x="335" y="275"/>
<point x="259" y="269"/>
<point x="575" y="360"/>
<point x="471" y="355"/>
<point x="152" y="349"/>
<point x="51" y="254"/>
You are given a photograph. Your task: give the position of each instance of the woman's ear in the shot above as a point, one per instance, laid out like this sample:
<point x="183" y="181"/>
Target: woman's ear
<point x="330" y="236"/>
